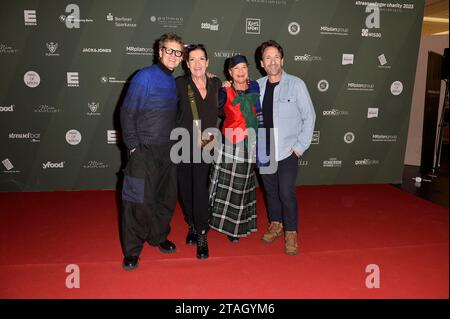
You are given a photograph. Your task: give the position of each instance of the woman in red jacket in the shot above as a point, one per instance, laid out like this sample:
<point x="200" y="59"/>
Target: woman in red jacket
<point x="232" y="187"/>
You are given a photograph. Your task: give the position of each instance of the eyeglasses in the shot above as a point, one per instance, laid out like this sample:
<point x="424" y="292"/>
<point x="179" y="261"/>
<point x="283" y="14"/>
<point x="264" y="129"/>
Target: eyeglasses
<point x="172" y="51"/>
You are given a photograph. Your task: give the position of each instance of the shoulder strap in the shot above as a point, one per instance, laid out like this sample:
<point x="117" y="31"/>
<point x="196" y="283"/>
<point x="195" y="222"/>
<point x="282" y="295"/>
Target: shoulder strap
<point x="192" y="102"/>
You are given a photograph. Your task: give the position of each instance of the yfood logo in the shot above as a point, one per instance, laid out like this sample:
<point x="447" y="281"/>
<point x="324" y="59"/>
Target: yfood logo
<point x="7" y="108"/>
<point x="53" y="165"/>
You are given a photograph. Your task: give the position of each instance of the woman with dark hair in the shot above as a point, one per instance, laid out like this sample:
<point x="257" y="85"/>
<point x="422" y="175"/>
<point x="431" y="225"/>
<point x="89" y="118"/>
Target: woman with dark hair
<point x="232" y="186"/>
<point x="198" y="110"/>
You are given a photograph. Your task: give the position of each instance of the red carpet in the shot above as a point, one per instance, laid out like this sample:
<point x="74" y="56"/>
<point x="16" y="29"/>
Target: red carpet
<point x="343" y="229"/>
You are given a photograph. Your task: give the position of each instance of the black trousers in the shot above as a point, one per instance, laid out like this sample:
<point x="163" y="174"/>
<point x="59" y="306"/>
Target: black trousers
<point x="194" y="193"/>
<point x="149" y="196"/>
<point x="281" y="193"/>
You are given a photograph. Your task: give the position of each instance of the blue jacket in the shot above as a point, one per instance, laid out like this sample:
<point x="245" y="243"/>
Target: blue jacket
<point x="293" y="115"/>
<point x="149" y="110"/>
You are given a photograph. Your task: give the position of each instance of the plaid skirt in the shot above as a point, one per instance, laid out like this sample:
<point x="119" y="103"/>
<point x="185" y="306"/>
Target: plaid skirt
<point x="232" y="193"/>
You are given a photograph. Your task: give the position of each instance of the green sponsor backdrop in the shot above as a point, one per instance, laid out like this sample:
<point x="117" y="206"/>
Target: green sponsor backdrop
<point x="64" y="67"/>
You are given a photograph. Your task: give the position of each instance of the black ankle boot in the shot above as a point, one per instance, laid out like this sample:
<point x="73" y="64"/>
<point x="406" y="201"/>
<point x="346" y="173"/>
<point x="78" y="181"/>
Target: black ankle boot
<point x="233" y="239"/>
<point x="191" y="237"/>
<point x="202" y="245"/>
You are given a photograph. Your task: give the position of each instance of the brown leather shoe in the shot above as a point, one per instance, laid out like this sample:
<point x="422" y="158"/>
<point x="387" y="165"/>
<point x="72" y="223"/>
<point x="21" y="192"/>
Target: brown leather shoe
<point x="274" y="231"/>
<point x="290" y="243"/>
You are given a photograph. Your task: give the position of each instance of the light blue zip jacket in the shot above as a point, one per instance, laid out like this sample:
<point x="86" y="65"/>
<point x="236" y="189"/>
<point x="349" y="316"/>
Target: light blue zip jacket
<point x="293" y="115"/>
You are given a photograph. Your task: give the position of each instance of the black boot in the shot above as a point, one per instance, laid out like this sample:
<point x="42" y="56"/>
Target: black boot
<point x="233" y="239"/>
<point x="191" y="237"/>
<point x="202" y="245"/>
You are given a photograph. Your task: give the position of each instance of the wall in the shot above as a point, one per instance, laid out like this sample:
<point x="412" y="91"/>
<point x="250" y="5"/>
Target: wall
<point x="436" y="43"/>
<point x="65" y="65"/>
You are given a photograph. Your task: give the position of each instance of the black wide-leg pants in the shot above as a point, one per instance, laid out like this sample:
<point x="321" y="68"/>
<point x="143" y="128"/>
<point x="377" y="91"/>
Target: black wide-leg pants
<point x="149" y="196"/>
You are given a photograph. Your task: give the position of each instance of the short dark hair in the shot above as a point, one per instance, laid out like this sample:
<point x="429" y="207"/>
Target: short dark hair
<point x="171" y="36"/>
<point x="271" y="43"/>
<point x="193" y="47"/>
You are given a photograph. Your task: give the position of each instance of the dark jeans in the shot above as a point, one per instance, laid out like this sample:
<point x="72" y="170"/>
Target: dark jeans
<point x="149" y="196"/>
<point x="194" y="194"/>
<point x="281" y="193"/>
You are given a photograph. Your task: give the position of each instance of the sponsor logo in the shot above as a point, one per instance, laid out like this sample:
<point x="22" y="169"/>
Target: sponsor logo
<point x="213" y="25"/>
<point x="334" y="112"/>
<point x="383" y="63"/>
<point x="365" y="33"/>
<point x="328" y="30"/>
<point x="95" y="165"/>
<point x="167" y="22"/>
<point x="323" y="85"/>
<point x="384" y="138"/>
<point x="73" y="137"/>
<point x="6" y="49"/>
<point x="73" y="20"/>
<point x="302" y="162"/>
<point x="397" y="88"/>
<point x="111" y="79"/>
<point x="93" y="108"/>
<point x="347" y="58"/>
<point x="7" y="163"/>
<point x="30" y="17"/>
<point x="73" y="79"/>
<point x="360" y="87"/>
<point x="273" y="2"/>
<point x="294" y="28"/>
<point x="96" y="50"/>
<point x="32" y="79"/>
<point x="112" y="136"/>
<point x="307" y="58"/>
<point x="33" y="137"/>
<point x="131" y="50"/>
<point x="332" y="162"/>
<point x="121" y="22"/>
<point x="7" y="108"/>
<point x="53" y="165"/>
<point x="225" y="53"/>
<point x="252" y="26"/>
<point x="52" y="47"/>
<point x="349" y="137"/>
<point x="43" y="108"/>
<point x="9" y="167"/>
<point x="366" y="162"/>
<point x="315" y="137"/>
<point x="372" y="112"/>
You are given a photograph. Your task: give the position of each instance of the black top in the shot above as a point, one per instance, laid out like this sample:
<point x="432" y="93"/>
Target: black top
<point x="208" y="108"/>
<point x="267" y="109"/>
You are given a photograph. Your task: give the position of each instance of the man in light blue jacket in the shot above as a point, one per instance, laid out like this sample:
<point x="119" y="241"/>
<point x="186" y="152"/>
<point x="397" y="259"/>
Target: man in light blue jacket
<point x="289" y="114"/>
